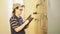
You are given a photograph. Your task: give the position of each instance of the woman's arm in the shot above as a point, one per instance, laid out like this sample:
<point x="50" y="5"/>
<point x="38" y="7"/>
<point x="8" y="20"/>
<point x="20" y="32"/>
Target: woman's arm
<point x="22" y="26"/>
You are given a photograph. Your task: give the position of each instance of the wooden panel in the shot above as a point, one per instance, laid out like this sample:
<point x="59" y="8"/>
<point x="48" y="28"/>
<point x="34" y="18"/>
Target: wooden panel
<point x="39" y="24"/>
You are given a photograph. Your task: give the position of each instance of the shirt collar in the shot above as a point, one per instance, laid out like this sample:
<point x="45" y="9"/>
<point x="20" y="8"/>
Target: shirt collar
<point x="17" y="17"/>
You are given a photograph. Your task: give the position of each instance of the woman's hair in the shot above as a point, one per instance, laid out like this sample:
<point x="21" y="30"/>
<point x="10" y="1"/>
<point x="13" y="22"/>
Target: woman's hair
<point x="13" y="12"/>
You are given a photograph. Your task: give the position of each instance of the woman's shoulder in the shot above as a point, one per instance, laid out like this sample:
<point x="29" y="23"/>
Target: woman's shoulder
<point x="13" y="18"/>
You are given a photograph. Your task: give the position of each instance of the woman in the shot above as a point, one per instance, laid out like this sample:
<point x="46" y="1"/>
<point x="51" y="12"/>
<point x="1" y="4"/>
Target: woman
<point x="16" y="21"/>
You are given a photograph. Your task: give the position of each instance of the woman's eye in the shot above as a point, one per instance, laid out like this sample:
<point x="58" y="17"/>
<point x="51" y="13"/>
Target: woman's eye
<point x="21" y="9"/>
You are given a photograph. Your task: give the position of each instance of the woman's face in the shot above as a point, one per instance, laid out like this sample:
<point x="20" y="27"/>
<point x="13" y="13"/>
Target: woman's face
<point x="19" y="10"/>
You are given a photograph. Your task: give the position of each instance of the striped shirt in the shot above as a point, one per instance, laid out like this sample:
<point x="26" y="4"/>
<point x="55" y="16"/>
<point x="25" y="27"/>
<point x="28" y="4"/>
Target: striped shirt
<point x="16" y="22"/>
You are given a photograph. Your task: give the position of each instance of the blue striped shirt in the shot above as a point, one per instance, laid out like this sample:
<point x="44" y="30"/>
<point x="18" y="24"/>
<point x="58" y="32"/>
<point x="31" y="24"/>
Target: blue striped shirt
<point x="16" y="22"/>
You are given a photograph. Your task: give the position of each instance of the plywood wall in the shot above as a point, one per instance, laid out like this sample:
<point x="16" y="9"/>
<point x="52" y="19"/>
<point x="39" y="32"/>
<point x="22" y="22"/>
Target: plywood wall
<point x="39" y="24"/>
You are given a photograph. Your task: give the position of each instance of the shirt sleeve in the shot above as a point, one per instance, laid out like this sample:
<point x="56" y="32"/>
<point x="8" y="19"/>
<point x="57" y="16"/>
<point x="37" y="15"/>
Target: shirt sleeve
<point x="13" y="23"/>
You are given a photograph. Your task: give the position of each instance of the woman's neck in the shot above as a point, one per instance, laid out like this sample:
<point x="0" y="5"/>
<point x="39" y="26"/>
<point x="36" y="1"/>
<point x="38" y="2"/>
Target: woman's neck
<point x="17" y="15"/>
